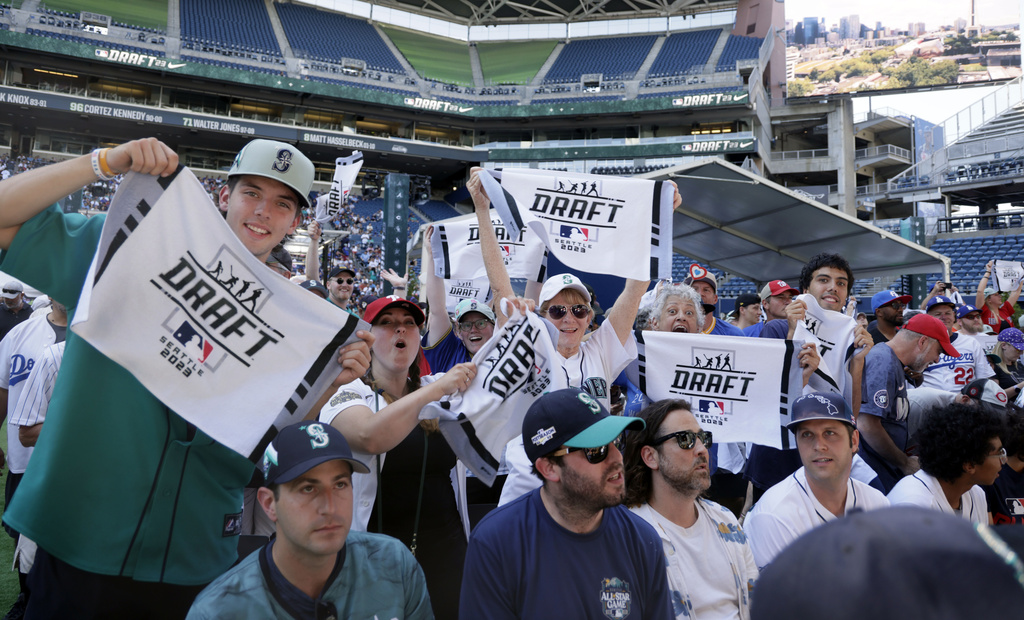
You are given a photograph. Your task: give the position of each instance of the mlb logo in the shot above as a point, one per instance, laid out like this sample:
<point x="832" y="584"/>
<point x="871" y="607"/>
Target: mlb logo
<point x="506" y="250"/>
<point x="711" y="406"/>
<point x="193" y="342"/>
<point x="574" y="233"/>
<point x="103" y="53"/>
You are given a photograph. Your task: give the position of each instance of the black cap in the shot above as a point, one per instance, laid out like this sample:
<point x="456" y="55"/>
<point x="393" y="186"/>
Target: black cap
<point x="747" y="299"/>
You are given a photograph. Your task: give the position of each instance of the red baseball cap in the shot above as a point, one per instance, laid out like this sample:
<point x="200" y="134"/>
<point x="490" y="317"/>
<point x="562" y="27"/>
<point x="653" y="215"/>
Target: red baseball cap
<point x="927" y="325"/>
<point x="776" y="287"/>
<point x="391" y="301"/>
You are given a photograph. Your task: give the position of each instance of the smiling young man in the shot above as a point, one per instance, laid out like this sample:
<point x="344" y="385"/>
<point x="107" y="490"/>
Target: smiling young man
<point x="821" y="490"/>
<point x="711" y="569"/>
<point x="164" y="498"/>
<point x="568" y="549"/>
<point x="340" y="285"/>
<point x="316" y="567"/>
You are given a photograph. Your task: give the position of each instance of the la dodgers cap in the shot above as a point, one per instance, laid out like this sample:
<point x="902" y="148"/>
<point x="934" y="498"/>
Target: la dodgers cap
<point x="986" y="391"/>
<point x="927" y="325"/>
<point x="572" y="418"/>
<point x="820" y="406"/>
<point x="472" y="305"/>
<point x="391" y="301"/>
<point x="882" y="298"/>
<point x="964" y="310"/>
<point x="279" y="161"/>
<point x="301" y="447"/>
<point x="556" y="284"/>
<point x="915" y="562"/>
<point x="940" y="300"/>
<point x="747" y="299"/>
<point x="776" y="287"/>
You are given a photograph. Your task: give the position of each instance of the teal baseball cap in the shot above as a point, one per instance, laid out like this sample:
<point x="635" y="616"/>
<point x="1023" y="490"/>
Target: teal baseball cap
<point x="571" y="418"/>
<point x="279" y="161"/>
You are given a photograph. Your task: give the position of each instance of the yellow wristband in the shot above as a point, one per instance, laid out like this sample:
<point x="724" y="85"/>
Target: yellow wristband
<point x="104" y="166"/>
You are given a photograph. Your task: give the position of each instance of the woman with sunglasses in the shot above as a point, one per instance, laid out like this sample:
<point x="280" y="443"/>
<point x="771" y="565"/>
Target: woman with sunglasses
<point x="1009" y="370"/>
<point x="408" y="493"/>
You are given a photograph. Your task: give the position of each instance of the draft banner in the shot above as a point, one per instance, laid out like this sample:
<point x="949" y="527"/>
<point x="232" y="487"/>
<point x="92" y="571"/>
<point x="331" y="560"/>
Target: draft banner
<point x="205" y="326"/>
<point x="738" y="388"/>
<point x="329" y="204"/>
<point x="1006" y="274"/>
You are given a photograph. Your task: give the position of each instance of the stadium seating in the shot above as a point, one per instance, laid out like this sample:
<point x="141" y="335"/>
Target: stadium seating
<point x="738" y="48"/>
<point x="968" y="257"/>
<point x="684" y="52"/>
<point x="236" y="24"/>
<point x="436" y="210"/>
<point x="616" y="58"/>
<point x="327" y="36"/>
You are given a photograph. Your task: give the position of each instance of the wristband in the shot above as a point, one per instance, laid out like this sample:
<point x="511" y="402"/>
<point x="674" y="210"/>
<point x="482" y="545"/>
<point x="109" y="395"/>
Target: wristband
<point x="104" y="166"/>
<point x="97" y="165"/>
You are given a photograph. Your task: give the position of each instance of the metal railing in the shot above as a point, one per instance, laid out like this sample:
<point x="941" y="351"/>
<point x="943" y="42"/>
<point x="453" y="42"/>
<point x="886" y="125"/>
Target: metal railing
<point x="804" y="154"/>
<point x="884" y="149"/>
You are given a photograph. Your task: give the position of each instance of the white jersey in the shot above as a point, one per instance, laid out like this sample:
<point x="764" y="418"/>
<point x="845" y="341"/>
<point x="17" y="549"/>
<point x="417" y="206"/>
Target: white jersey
<point x="598" y="362"/>
<point x="18" y="353"/>
<point x="789" y="509"/>
<point x="923" y="489"/>
<point x="35" y="397"/>
<point x="954" y="373"/>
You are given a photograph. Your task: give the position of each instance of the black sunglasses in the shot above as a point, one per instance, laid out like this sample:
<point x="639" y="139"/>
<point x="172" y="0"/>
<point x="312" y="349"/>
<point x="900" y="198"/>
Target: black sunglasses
<point x="686" y="439"/>
<point x="593" y="455"/>
<point x="7" y="290"/>
<point x="580" y="311"/>
<point x="344" y="280"/>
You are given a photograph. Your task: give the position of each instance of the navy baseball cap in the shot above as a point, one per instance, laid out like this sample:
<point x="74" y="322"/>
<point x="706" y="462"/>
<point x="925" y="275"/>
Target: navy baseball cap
<point x="891" y="564"/>
<point x="337" y="271"/>
<point x="572" y="418"/>
<point x="940" y="299"/>
<point x="301" y="447"/>
<point x="882" y="298"/>
<point x="314" y="286"/>
<point x="820" y="406"/>
<point x="964" y="310"/>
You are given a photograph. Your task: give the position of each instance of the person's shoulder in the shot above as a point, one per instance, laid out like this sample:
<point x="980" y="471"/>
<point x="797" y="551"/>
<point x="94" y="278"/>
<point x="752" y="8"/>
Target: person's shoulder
<point x="775" y="328"/>
<point x="911" y="490"/>
<point x="239" y="580"/>
<point x="719" y="512"/>
<point x="509" y="516"/>
<point x="753" y="331"/>
<point x="869" y="496"/>
<point x="776" y="497"/>
<point x="625" y="519"/>
<point x="378" y="548"/>
<point x="728" y="329"/>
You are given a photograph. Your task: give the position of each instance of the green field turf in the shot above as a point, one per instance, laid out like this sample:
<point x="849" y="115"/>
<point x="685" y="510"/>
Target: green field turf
<point x="514" y="63"/>
<point x="148" y="13"/>
<point x="432" y="57"/>
<point x="8" y="579"/>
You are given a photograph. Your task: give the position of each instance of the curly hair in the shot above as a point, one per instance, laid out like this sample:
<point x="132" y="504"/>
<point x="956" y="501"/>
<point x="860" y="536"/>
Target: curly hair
<point x="824" y="260"/>
<point x="682" y="291"/>
<point x="955" y="435"/>
<point x="1013" y="440"/>
<point x="638" y="475"/>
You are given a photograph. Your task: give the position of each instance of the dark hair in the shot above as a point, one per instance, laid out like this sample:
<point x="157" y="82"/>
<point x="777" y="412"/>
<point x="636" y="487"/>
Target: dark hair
<point x="824" y="260"/>
<point x="638" y="475"/>
<point x="955" y="435"/>
<point x="1013" y="440"/>
<point x="557" y="460"/>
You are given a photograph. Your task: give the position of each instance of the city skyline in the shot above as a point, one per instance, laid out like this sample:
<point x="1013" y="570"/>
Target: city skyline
<point x="898" y="15"/>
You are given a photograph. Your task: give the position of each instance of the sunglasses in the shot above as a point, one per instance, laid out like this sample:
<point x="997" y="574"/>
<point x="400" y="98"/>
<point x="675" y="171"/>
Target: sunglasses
<point x="7" y="290"/>
<point x="580" y="311"/>
<point x="686" y="439"/>
<point x="593" y="455"/>
<point x="344" y="280"/>
<point x="480" y="324"/>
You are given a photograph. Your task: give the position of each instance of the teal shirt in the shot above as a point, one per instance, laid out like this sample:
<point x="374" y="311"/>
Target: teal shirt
<point x="118" y="484"/>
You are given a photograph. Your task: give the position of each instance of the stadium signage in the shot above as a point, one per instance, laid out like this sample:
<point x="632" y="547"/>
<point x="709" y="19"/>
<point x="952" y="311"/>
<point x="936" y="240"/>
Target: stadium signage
<point x="215" y="125"/>
<point x="342" y="141"/>
<point x="138" y="60"/>
<point x="435" y="106"/>
<point x="719" y="146"/>
<point x="711" y="99"/>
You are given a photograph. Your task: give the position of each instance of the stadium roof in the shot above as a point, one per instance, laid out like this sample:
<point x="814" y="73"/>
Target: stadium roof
<point x="761" y="231"/>
<point x="491" y="12"/>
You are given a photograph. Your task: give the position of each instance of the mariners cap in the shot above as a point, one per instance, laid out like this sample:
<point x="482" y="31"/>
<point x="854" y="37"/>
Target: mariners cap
<point x="1012" y="336"/>
<point x="472" y="305"/>
<point x="556" y="284"/>
<point x="886" y="297"/>
<point x="986" y="391"/>
<point x="301" y="447"/>
<point x="927" y="325"/>
<point x="940" y="300"/>
<point x="959" y="570"/>
<point x="990" y="291"/>
<point x="337" y="271"/>
<point x="964" y="310"/>
<point x="279" y="161"/>
<point x="12" y="289"/>
<point x="776" y="287"/>
<point x="392" y="301"/>
<point x="820" y="406"/>
<point x="280" y="256"/>
<point x="314" y="286"/>
<point x="747" y="299"/>
<point x="572" y="418"/>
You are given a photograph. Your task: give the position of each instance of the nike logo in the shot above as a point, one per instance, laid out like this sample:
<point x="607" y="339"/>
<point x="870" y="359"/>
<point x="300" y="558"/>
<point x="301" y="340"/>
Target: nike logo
<point x="172" y="65"/>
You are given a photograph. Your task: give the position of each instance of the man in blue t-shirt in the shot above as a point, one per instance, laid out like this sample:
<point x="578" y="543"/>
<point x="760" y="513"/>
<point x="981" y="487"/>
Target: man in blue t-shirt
<point x="568" y="549"/>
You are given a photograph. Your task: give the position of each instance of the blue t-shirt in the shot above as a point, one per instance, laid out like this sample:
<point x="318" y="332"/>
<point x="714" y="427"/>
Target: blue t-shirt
<point x="722" y="328"/>
<point x="884" y="394"/>
<point x="522" y="564"/>
<point x="754" y="330"/>
<point x="1005" y="497"/>
<point x="448" y="352"/>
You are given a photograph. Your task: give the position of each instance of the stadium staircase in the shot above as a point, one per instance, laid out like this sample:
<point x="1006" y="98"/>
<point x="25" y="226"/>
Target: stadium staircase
<point x="420" y="83"/>
<point x="282" y="38"/>
<point x="173" y="39"/>
<point x="641" y="73"/>
<point x="716" y="53"/>
<point x="543" y="72"/>
<point x="474" y="64"/>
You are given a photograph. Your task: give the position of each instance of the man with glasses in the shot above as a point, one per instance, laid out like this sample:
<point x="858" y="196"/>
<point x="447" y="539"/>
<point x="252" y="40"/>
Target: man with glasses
<point x="470" y="328"/>
<point x="968" y="321"/>
<point x="952" y="374"/>
<point x="15" y="310"/>
<point x="888" y="307"/>
<point x="711" y="570"/>
<point x="568" y="549"/>
<point x="316" y="567"/>
<point x="960" y="450"/>
<point x="820" y="491"/>
<point x="340" y="285"/>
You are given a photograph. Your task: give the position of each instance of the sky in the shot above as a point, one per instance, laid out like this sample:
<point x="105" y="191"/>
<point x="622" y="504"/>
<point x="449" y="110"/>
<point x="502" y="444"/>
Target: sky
<point x="935" y="106"/>
<point x="899" y="13"/>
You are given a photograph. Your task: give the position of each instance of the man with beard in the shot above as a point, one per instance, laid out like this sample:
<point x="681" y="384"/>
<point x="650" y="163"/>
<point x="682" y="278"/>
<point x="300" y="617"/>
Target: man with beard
<point x="821" y="490"/>
<point x="954" y="374"/>
<point x="888" y="308"/>
<point x="568" y="549"/>
<point x="968" y="321"/>
<point x="884" y="406"/>
<point x="711" y="570"/>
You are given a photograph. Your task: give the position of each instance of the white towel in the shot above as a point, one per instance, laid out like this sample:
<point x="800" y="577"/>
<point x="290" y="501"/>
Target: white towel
<point x="346" y="169"/>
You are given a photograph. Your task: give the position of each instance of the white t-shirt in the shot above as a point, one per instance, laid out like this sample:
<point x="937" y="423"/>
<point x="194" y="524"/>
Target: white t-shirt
<point x="923" y="489"/>
<point x="954" y="373"/>
<point x="789" y="509"/>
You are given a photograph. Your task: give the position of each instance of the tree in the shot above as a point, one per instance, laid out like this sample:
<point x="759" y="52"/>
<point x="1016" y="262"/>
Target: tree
<point x="799" y="88"/>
